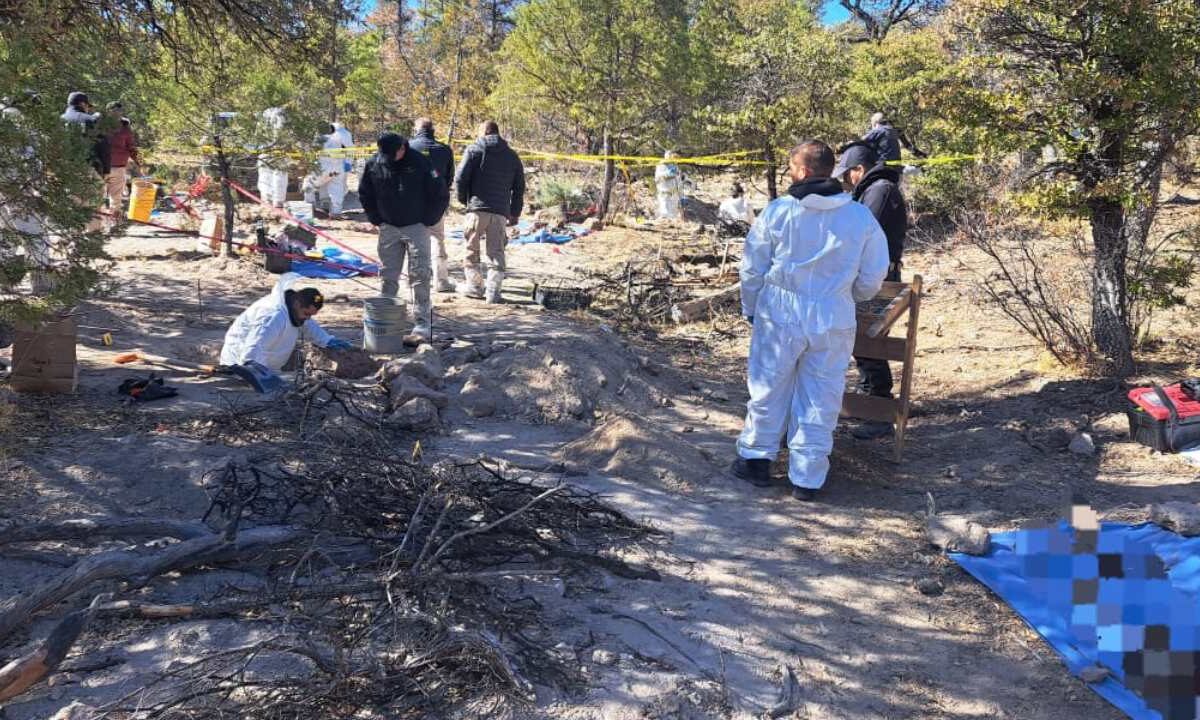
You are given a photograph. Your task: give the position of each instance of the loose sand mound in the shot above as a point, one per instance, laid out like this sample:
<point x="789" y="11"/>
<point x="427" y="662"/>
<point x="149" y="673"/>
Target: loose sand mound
<point x="632" y="447"/>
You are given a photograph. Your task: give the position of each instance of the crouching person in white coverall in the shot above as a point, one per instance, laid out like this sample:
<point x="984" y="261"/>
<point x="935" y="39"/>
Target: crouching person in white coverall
<point x="264" y="336"/>
<point x="809" y="257"/>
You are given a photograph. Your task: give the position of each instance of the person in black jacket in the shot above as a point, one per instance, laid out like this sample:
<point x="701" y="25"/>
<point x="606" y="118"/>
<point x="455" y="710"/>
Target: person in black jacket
<point x="442" y="158"/>
<point x="491" y="183"/>
<point x="874" y="183"/>
<point x="403" y="196"/>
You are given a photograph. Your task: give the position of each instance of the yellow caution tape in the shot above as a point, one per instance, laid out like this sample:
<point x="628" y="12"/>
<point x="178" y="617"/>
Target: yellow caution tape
<point x="738" y="157"/>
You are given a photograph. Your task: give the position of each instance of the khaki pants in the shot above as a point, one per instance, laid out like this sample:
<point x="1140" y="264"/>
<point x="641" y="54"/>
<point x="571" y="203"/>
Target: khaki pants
<point x="394" y="244"/>
<point x="114" y="189"/>
<point x="488" y="228"/>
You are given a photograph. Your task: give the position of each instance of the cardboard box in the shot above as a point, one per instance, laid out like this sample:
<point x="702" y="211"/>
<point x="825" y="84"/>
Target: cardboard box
<point x="43" y="357"/>
<point x="212" y="234"/>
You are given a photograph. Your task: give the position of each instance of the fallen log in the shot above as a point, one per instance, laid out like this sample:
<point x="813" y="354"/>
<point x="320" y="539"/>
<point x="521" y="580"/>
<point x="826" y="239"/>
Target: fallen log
<point x="20" y="674"/>
<point x="16" y="612"/>
<point x="703" y="307"/>
<point x="102" y="528"/>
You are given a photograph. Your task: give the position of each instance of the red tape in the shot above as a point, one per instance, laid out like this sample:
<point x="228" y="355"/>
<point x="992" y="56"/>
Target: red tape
<point x="257" y="249"/>
<point x="288" y="216"/>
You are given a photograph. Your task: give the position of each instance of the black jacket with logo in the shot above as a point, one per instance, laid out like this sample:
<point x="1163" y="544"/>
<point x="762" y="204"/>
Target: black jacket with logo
<point x="401" y="192"/>
<point x="879" y="190"/>
<point x="439" y="154"/>
<point x="491" y="178"/>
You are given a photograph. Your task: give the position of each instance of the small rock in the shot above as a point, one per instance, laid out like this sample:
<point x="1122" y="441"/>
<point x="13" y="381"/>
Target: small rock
<point x="688" y="429"/>
<point x="957" y="534"/>
<point x="417" y="414"/>
<point x="479" y="396"/>
<point x="351" y="363"/>
<point x="425" y="365"/>
<point x="75" y="711"/>
<point x="931" y="586"/>
<point x="604" y="657"/>
<point x="407" y="387"/>
<point x="720" y="395"/>
<point x="461" y="352"/>
<point x="1082" y="444"/>
<point x="1094" y="674"/>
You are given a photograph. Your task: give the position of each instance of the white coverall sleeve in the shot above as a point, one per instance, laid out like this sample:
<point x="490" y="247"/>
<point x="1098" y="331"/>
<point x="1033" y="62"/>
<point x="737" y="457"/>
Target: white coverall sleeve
<point x="259" y="337"/>
<point x="874" y="265"/>
<point x="312" y="331"/>
<point x="756" y="261"/>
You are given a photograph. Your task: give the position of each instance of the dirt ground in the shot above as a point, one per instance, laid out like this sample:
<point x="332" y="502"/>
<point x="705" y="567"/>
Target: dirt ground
<point x="751" y="581"/>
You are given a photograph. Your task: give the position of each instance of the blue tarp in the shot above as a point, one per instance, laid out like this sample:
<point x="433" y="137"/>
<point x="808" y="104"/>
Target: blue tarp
<point x="1103" y="602"/>
<point x="348" y="265"/>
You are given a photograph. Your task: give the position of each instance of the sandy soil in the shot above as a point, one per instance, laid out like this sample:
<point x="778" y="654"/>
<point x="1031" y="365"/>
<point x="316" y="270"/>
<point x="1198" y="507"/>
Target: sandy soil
<point x="751" y="580"/>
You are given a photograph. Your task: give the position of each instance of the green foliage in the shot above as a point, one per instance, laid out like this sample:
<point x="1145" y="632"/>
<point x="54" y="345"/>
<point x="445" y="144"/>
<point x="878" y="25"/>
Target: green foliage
<point x="776" y="78"/>
<point x="559" y="192"/>
<point x="912" y="78"/>
<point x="602" y="65"/>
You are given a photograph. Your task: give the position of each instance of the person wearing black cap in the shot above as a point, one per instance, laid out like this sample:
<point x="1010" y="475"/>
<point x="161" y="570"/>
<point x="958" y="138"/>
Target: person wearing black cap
<point x="262" y="339"/>
<point x="874" y="183"/>
<point x="404" y="195"/>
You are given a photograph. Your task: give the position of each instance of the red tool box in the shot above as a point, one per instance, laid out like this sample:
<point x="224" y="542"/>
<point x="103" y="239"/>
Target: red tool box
<point x="1164" y="418"/>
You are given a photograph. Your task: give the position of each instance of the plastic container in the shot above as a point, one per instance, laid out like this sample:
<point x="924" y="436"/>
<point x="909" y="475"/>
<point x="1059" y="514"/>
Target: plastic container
<point x="385" y="322"/>
<point x="1163" y="419"/>
<point x="141" y="200"/>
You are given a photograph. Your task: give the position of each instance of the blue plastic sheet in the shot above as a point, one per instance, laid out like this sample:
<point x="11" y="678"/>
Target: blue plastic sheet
<point x="1096" y="603"/>
<point x="347" y="265"/>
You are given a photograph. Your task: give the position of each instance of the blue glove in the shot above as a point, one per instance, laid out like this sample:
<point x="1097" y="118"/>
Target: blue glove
<point x="339" y="344"/>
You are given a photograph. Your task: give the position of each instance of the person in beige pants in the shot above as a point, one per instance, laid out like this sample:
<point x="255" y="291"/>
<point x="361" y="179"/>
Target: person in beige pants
<point x="491" y="183"/>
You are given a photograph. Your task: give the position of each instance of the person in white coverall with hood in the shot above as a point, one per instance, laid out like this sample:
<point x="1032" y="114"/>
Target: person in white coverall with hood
<point x="264" y="336"/>
<point x="332" y="183"/>
<point x="809" y="258"/>
<point x="272" y="170"/>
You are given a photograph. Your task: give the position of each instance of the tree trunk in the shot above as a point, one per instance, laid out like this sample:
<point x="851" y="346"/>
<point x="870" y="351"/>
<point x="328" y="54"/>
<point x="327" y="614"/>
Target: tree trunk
<point x="226" y="195"/>
<point x="610" y="174"/>
<point x="769" y="158"/>
<point x="1110" y="309"/>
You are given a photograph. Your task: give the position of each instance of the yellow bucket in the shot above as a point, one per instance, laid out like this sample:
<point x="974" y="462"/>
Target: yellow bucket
<point x="141" y="200"/>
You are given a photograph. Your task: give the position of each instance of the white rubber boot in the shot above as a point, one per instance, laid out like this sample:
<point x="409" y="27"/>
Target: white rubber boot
<point x="472" y="286"/>
<point x="421" y="331"/>
<point x="441" y="269"/>
<point x="492" y="292"/>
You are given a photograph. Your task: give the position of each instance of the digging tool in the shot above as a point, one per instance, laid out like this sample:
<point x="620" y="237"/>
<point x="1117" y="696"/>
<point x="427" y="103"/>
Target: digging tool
<point x="132" y="357"/>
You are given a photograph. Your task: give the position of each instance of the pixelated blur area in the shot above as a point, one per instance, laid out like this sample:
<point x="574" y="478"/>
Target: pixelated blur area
<point x="1120" y="603"/>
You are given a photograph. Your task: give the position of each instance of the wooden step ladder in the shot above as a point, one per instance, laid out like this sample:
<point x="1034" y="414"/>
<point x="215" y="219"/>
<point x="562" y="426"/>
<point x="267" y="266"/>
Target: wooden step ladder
<point x="875" y="320"/>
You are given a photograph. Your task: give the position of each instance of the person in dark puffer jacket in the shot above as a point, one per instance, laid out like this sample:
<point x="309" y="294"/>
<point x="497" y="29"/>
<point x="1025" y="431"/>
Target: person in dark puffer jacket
<point x="874" y="183"/>
<point x="442" y="158"/>
<point x="403" y="196"/>
<point x="491" y="183"/>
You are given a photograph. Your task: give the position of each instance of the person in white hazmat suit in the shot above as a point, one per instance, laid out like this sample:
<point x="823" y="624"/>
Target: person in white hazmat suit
<point x="810" y="256"/>
<point x="332" y="184"/>
<point x="668" y="181"/>
<point x="262" y="339"/>
<point x="272" y="170"/>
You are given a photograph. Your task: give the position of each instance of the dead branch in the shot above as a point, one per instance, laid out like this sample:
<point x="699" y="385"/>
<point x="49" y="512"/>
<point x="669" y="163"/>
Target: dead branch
<point x="128" y="564"/>
<point x="20" y="674"/>
<point x="102" y="528"/>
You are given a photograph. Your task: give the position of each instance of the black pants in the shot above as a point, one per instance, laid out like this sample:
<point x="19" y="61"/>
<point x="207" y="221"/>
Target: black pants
<point x="875" y="376"/>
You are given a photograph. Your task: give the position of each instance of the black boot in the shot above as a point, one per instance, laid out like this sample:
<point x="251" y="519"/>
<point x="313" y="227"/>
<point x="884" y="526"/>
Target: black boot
<point x="755" y="472"/>
<point x="803" y="494"/>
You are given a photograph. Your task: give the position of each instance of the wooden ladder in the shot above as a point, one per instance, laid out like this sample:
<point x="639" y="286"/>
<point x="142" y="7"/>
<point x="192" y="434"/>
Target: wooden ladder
<point x="872" y="341"/>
